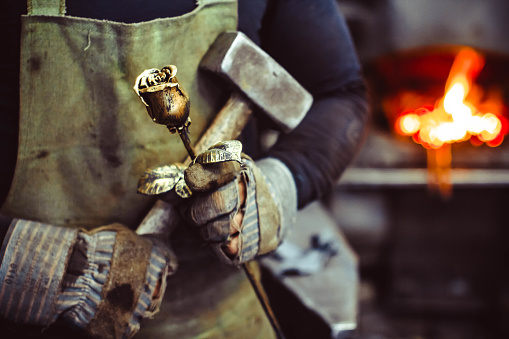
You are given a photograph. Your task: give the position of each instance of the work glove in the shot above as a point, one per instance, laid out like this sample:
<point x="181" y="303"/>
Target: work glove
<point x="102" y="282"/>
<point x="249" y="214"/>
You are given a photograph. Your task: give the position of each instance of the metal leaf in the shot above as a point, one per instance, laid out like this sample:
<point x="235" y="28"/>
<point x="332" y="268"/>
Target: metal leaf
<point x="182" y="189"/>
<point x="222" y="151"/>
<point x="159" y="180"/>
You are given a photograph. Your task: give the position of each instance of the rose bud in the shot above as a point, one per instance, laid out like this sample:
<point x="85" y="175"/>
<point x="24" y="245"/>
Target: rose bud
<point x="167" y="102"/>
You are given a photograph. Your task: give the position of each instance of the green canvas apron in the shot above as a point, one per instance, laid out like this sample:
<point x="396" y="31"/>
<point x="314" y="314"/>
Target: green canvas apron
<point x="85" y="139"/>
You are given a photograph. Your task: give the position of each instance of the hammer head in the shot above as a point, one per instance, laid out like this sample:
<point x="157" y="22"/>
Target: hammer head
<point x="265" y="83"/>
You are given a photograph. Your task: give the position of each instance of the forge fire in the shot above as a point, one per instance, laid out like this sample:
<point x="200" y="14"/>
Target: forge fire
<point x="465" y="112"/>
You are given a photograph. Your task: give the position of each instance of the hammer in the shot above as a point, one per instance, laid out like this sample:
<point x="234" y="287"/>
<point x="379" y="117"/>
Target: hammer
<point x="259" y="83"/>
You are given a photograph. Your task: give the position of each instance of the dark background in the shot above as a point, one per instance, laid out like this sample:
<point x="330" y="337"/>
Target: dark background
<point x="431" y="266"/>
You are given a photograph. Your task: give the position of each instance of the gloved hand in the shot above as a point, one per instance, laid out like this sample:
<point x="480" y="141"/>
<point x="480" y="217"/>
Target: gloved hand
<point x="102" y="282"/>
<point x="246" y="217"/>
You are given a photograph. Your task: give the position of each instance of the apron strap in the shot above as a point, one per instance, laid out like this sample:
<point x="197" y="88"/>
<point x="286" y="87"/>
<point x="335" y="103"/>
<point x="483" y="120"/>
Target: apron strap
<point x="57" y="7"/>
<point x="46" y="7"/>
<point x="209" y="2"/>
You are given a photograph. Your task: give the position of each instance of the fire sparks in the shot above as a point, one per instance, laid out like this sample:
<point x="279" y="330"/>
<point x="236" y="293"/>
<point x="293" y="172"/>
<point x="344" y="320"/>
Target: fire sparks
<point x="463" y="113"/>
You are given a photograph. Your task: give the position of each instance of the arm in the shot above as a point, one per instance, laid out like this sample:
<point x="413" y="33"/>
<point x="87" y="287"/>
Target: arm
<point x="311" y="40"/>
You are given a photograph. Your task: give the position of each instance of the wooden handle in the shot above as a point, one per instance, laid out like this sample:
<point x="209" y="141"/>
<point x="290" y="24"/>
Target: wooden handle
<point x="227" y="124"/>
<point x="161" y="219"/>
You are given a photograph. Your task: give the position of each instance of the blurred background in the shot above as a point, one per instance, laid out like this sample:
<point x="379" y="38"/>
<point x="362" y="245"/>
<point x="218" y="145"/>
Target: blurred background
<point x="424" y="204"/>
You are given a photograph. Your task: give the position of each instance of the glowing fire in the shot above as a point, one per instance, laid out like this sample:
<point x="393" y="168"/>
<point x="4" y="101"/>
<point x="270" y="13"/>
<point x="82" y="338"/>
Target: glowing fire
<point x="463" y="113"/>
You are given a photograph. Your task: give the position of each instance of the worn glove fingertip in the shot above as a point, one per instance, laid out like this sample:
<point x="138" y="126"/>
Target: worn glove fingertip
<point x="204" y="178"/>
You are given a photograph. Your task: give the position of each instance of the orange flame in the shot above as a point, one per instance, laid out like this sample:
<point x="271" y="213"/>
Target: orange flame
<point x="460" y="114"/>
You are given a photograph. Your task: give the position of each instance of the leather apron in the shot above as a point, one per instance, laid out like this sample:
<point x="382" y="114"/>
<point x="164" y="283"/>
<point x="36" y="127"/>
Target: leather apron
<point x="85" y="139"/>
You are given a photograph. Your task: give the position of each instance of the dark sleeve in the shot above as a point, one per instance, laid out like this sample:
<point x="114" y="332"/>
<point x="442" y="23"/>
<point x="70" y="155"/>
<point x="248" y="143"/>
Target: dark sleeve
<point x="311" y="40"/>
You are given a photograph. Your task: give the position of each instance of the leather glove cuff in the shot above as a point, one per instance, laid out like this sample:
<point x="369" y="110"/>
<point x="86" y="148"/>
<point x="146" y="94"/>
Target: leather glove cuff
<point x="281" y="187"/>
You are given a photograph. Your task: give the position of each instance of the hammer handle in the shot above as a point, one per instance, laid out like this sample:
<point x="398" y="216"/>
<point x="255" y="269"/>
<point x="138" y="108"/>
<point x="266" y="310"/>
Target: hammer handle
<point x="227" y="124"/>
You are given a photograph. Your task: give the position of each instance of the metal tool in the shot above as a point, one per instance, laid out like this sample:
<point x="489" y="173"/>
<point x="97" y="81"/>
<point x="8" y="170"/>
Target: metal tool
<point x="258" y="83"/>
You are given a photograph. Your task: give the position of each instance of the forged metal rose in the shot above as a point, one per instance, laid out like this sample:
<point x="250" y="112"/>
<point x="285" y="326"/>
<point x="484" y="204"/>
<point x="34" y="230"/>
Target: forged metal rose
<point x="166" y="101"/>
